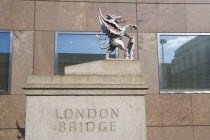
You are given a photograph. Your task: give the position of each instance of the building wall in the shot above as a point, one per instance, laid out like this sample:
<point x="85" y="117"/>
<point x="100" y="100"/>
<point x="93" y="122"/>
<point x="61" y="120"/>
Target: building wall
<point x="169" y="116"/>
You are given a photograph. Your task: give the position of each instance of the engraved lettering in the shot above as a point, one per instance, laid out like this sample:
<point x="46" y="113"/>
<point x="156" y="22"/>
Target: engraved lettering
<point x="72" y="126"/>
<point x="113" y="126"/>
<point x="90" y="126"/>
<point x="87" y="120"/>
<point x="62" y="126"/>
<point x="79" y="113"/>
<point x="102" y="127"/>
<point x="57" y="114"/>
<point x="91" y="113"/>
<point x="68" y="114"/>
<point x="80" y="126"/>
<point x="114" y="113"/>
<point x="103" y="113"/>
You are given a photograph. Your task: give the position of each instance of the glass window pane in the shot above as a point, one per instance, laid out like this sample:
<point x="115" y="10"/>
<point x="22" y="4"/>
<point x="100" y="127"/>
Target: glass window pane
<point x="78" y="48"/>
<point x="184" y="62"/>
<point x="4" y="60"/>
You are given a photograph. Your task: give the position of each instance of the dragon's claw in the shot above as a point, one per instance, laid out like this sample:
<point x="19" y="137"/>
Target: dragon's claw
<point x="135" y="27"/>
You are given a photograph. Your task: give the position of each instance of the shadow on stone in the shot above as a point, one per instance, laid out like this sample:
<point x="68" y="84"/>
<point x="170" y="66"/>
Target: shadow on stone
<point x="21" y="135"/>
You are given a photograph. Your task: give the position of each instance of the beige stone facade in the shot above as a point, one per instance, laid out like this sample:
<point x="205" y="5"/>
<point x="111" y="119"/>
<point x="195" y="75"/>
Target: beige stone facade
<point x="34" y="22"/>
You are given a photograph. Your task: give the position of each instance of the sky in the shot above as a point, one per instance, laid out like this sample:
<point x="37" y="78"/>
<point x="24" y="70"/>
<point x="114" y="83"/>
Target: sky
<point x="5" y="42"/>
<point x="79" y="43"/>
<point x="173" y="43"/>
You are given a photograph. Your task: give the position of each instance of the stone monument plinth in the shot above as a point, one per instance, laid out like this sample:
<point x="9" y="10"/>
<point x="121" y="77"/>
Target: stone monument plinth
<point x="101" y="100"/>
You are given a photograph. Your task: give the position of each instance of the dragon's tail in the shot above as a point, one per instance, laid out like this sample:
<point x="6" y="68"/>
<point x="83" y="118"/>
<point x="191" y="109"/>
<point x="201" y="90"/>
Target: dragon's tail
<point x="103" y="42"/>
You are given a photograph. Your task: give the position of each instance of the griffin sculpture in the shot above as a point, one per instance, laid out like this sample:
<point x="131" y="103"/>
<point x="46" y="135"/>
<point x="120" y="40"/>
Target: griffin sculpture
<point x="110" y="26"/>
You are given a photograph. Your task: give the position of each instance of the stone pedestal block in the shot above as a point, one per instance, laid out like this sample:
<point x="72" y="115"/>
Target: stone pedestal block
<point x="97" y="100"/>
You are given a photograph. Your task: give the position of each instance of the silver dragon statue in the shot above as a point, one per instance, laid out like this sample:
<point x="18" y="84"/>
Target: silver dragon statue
<point x="110" y="26"/>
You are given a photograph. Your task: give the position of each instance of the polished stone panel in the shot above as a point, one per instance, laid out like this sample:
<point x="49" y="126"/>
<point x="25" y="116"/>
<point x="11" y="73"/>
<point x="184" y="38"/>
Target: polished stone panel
<point x="170" y="133"/>
<point x="12" y="134"/>
<point x="197" y="1"/>
<point x="100" y="0"/>
<point x="198" y="18"/>
<point x="22" y="59"/>
<point x="16" y="15"/>
<point x="130" y="15"/>
<point x="64" y="0"/>
<point x="147" y="45"/>
<point x="85" y="117"/>
<point x="168" y="110"/>
<point x="44" y="53"/>
<point x="110" y="9"/>
<point x="92" y="14"/>
<point x="60" y="16"/>
<point x="161" y="1"/>
<point x="201" y="109"/>
<point x="127" y="1"/>
<point x="201" y="132"/>
<point x="12" y="111"/>
<point x="154" y="18"/>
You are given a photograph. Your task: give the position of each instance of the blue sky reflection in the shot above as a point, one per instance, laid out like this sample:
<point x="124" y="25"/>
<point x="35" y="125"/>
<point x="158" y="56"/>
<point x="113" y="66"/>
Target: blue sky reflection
<point x="5" y="42"/>
<point x="79" y="43"/>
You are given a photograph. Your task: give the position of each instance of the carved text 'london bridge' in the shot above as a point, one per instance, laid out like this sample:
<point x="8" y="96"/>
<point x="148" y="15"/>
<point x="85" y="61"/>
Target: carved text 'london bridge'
<point x="87" y="120"/>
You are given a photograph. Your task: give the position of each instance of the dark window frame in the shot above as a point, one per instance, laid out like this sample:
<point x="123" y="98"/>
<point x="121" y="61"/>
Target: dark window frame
<point x="10" y="62"/>
<point x="159" y="65"/>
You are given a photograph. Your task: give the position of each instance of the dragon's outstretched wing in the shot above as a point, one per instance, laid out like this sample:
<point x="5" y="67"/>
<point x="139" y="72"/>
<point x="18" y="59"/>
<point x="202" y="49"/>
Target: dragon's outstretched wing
<point x="109" y="27"/>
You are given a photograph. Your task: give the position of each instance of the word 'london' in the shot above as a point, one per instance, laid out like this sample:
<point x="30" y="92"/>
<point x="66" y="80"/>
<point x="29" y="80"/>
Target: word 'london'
<point x="87" y="120"/>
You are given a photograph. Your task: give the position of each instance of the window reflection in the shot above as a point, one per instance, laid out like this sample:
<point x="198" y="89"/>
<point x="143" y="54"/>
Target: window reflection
<point x="76" y="49"/>
<point x="185" y="62"/>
